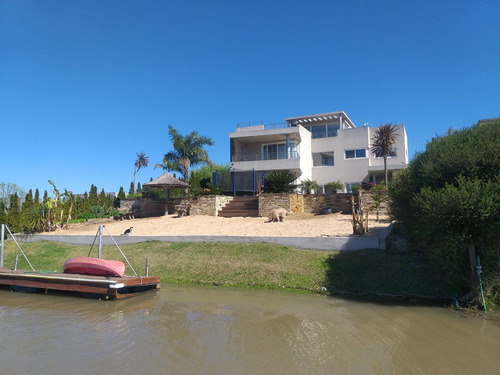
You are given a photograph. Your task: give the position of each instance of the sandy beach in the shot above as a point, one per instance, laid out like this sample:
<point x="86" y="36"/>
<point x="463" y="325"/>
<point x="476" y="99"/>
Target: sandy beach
<point x="295" y="225"/>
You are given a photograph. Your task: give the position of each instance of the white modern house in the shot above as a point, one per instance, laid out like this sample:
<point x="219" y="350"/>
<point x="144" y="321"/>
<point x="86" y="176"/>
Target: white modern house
<point x="324" y="147"/>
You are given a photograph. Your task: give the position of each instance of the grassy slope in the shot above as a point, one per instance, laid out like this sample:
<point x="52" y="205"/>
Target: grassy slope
<point x="253" y="265"/>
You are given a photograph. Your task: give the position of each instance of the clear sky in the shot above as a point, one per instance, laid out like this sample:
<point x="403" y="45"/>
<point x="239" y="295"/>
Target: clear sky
<point x="84" y="85"/>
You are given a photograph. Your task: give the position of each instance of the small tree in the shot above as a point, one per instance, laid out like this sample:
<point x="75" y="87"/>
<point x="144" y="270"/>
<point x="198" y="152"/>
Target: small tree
<point x="280" y="182"/>
<point x="333" y="187"/>
<point x="14" y="215"/>
<point x="308" y="186"/>
<point x="383" y="144"/>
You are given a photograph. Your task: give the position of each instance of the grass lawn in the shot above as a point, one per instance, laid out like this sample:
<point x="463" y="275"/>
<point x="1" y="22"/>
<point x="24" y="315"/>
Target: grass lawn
<point x="251" y="265"/>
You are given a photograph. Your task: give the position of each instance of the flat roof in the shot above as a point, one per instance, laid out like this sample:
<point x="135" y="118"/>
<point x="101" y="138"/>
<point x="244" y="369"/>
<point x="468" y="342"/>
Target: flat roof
<point x="321" y="117"/>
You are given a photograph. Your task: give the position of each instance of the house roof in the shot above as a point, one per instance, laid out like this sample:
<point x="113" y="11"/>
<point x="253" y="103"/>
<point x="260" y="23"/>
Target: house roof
<point x="166" y="181"/>
<point x="320" y="117"/>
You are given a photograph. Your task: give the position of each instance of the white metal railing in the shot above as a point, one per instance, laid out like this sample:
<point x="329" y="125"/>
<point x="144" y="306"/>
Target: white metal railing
<point x="267" y="156"/>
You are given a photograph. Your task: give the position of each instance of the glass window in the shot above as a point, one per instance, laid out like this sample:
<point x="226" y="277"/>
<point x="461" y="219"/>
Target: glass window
<point x="332" y="129"/>
<point x="318" y="131"/>
<point x="359" y="153"/>
<point x="323" y="159"/>
<point x="350" y="154"/>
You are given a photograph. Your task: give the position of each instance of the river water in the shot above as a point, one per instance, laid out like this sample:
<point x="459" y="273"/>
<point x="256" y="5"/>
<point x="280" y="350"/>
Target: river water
<point x="209" y="330"/>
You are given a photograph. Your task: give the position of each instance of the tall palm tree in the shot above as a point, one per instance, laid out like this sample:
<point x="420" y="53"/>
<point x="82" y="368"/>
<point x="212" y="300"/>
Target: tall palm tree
<point x="141" y="162"/>
<point x="187" y="151"/>
<point x="383" y="144"/>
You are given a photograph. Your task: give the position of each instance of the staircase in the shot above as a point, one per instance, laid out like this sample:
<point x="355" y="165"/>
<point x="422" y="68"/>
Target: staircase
<point x="241" y="206"/>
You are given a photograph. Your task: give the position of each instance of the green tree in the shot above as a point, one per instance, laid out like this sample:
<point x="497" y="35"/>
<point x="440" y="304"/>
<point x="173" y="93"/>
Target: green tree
<point x="187" y="151"/>
<point x="383" y="144"/>
<point x="448" y="202"/>
<point x="131" y="190"/>
<point x="14" y="215"/>
<point x="45" y="197"/>
<point x="36" y="199"/>
<point x="3" y="213"/>
<point x="121" y="193"/>
<point x="142" y="161"/>
<point x="280" y="182"/>
<point x="139" y="188"/>
<point x="333" y="187"/>
<point x="307" y="186"/>
<point x="6" y="191"/>
<point x="93" y="197"/>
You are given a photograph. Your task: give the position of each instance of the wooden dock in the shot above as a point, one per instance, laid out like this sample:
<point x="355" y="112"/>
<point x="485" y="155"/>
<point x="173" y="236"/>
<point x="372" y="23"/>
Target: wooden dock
<point x="83" y="285"/>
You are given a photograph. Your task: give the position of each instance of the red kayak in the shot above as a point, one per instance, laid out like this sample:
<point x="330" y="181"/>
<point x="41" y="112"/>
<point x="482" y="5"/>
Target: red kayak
<point x="94" y="266"/>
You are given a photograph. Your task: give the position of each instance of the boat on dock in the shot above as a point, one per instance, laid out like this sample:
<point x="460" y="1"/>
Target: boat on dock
<point x="83" y="276"/>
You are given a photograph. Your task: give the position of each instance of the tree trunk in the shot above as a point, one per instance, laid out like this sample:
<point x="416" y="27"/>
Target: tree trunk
<point x="135" y="173"/>
<point x="473" y="270"/>
<point x="385" y="171"/>
<point x="358" y="220"/>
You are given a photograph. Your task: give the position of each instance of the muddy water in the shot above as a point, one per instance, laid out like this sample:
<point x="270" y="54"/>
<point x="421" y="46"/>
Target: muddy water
<point x="192" y="330"/>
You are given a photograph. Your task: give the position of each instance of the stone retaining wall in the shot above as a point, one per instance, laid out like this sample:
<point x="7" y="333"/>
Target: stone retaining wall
<point x="310" y="203"/>
<point x="294" y="203"/>
<point x="202" y="205"/>
<point x="143" y="207"/>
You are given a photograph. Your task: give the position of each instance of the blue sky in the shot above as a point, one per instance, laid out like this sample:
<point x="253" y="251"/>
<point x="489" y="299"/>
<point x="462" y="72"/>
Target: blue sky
<point x="86" y="84"/>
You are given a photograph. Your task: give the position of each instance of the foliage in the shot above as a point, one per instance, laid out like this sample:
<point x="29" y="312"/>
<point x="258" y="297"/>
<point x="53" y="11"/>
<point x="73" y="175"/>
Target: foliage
<point x="14" y="215"/>
<point x="3" y="213"/>
<point x="187" y="151"/>
<point x="157" y="193"/>
<point x="6" y="191"/>
<point x="448" y="199"/>
<point x="280" y="181"/>
<point x="307" y="186"/>
<point x="121" y="193"/>
<point x="379" y="196"/>
<point x="333" y="187"/>
<point x="383" y="144"/>
<point x="200" y="181"/>
<point x="141" y="162"/>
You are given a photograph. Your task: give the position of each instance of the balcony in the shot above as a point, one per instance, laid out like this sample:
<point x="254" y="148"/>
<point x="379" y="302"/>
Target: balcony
<point x="266" y="156"/>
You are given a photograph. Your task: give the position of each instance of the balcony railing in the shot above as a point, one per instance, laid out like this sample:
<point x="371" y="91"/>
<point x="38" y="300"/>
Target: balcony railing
<point x="268" y="156"/>
<point x="279" y="125"/>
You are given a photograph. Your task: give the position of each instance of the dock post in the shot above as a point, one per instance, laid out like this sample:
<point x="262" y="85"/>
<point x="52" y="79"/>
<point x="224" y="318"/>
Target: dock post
<point x="99" y="255"/>
<point x="1" y="248"/>
<point x="15" y="262"/>
<point x="147" y="267"/>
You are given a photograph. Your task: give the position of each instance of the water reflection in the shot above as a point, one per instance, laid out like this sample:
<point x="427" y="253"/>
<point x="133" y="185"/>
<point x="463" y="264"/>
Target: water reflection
<point x="186" y="330"/>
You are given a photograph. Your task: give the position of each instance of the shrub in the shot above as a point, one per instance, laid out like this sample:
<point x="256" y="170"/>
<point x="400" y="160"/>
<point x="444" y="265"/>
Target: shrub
<point x="333" y="187"/>
<point x="448" y="202"/>
<point x="280" y="182"/>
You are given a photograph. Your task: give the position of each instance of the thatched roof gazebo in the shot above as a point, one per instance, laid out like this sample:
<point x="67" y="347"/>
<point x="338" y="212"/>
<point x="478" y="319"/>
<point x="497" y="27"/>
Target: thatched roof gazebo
<point x="166" y="181"/>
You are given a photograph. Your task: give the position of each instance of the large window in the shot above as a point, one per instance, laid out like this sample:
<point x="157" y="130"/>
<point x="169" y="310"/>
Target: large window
<point x="323" y="159"/>
<point x="323" y="131"/>
<point x="278" y="151"/>
<point x="359" y="153"/>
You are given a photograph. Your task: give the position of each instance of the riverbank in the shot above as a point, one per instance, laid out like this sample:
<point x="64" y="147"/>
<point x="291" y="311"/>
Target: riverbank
<point x="371" y="273"/>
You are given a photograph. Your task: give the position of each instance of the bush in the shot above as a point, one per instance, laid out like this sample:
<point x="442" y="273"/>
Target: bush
<point x="449" y="198"/>
<point x="280" y="182"/>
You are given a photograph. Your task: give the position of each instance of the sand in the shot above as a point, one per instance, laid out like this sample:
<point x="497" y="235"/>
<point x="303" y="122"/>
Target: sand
<point x="295" y="225"/>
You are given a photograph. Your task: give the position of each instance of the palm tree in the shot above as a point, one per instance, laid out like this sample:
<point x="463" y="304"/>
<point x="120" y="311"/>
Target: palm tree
<point x="141" y="162"/>
<point x="383" y="142"/>
<point x="309" y="185"/>
<point x="188" y="150"/>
